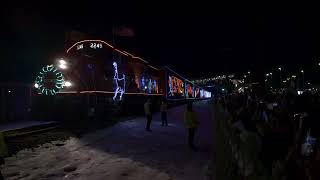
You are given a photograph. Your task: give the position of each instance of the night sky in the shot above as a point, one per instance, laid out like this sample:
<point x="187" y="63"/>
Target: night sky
<point x="195" y="44"/>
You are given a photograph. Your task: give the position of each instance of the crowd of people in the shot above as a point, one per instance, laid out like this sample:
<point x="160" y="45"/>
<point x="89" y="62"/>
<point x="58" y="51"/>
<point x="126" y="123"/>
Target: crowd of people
<point x="286" y="129"/>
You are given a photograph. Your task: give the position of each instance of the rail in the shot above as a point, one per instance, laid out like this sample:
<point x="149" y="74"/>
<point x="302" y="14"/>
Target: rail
<point x="27" y="132"/>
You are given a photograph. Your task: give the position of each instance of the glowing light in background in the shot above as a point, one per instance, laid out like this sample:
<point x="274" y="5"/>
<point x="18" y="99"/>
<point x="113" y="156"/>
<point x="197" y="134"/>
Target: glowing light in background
<point x="170" y="92"/>
<point x="155" y="86"/>
<point x="149" y="86"/>
<point x="143" y="84"/>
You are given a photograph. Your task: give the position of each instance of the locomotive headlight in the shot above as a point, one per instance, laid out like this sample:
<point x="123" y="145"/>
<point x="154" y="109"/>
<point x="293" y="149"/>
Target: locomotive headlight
<point x="67" y="83"/>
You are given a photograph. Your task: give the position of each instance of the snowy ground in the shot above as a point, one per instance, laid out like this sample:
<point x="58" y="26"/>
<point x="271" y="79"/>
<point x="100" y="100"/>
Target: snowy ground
<point x="124" y="151"/>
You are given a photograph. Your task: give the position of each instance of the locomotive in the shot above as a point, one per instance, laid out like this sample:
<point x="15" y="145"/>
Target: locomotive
<point x="94" y="73"/>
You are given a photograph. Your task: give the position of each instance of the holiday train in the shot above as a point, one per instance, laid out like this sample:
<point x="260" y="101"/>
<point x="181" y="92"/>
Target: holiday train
<point x="94" y="72"/>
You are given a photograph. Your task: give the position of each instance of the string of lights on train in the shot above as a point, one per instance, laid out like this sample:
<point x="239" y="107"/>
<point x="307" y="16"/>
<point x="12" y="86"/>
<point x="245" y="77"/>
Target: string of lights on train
<point x="206" y="80"/>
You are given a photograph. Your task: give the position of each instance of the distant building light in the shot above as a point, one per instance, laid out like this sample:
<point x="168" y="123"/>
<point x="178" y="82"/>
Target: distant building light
<point x="300" y="92"/>
<point x="9" y="91"/>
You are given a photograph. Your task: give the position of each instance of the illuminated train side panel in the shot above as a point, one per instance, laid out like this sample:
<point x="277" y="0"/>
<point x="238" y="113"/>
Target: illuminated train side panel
<point x="180" y="88"/>
<point x="175" y="85"/>
<point x="189" y="89"/>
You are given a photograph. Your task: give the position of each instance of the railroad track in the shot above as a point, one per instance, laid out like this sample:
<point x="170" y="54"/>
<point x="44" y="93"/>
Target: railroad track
<point x="30" y="130"/>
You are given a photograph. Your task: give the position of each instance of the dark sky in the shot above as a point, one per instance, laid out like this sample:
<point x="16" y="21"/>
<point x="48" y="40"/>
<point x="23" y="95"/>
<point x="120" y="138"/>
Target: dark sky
<point x="195" y="43"/>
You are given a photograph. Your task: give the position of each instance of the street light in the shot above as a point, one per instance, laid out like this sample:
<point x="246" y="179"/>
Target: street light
<point x="280" y="75"/>
<point x="249" y="72"/>
<point x="271" y="80"/>
<point x="302" y="79"/>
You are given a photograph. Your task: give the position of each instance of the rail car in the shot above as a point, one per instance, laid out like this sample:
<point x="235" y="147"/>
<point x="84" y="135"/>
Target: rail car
<point x="96" y="73"/>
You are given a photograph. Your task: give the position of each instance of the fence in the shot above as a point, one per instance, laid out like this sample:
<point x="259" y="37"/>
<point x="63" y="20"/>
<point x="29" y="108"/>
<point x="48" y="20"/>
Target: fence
<point x="236" y="154"/>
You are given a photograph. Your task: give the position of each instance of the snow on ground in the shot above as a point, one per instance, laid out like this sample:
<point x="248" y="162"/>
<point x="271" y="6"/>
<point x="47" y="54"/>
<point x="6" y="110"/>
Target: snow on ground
<point x="124" y="151"/>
